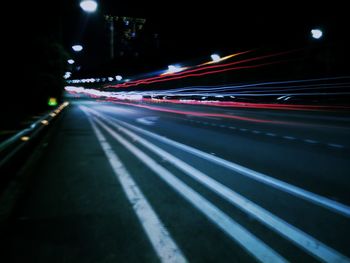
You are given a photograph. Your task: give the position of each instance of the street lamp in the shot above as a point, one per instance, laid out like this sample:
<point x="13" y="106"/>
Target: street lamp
<point x="215" y="57"/>
<point x="89" y="6"/>
<point x="77" y="48"/>
<point x="316" y="33"/>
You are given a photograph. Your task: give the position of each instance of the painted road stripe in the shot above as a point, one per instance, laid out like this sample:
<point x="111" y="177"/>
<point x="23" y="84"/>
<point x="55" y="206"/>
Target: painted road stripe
<point x="243" y="237"/>
<point x="278" y="184"/>
<point x="298" y="237"/>
<point x="288" y="137"/>
<point x="336" y="145"/>
<point x="147" y="120"/>
<point x="160" y="238"/>
<point x="310" y="141"/>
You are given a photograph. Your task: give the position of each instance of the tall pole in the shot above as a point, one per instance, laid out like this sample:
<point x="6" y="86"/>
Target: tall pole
<point x="111" y="27"/>
<point x="110" y="19"/>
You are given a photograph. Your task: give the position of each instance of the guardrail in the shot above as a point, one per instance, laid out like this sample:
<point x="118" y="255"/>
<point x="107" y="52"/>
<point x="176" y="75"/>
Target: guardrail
<point x="11" y="147"/>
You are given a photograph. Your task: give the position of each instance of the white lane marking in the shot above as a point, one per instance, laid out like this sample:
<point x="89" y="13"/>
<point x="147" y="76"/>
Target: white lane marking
<point x="253" y="245"/>
<point x="288" y="137"/>
<point x="310" y="141"/>
<point x="160" y="238"/>
<point x="336" y="145"/>
<point x="273" y="135"/>
<point x="303" y="240"/>
<point x="278" y="184"/>
<point x="147" y="120"/>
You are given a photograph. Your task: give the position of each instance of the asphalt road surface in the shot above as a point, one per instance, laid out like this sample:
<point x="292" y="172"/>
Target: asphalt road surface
<point x="117" y="182"/>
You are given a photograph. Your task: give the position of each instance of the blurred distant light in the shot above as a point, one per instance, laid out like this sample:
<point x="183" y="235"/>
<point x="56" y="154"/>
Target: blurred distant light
<point x="215" y="57"/>
<point x="316" y="33"/>
<point x="88" y="5"/>
<point x="70" y="61"/>
<point x="110" y="78"/>
<point x="52" y="101"/>
<point x="174" y="69"/>
<point x="77" y="48"/>
<point x="67" y="75"/>
<point x="118" y="77"/>
<point x="25" y="138"/>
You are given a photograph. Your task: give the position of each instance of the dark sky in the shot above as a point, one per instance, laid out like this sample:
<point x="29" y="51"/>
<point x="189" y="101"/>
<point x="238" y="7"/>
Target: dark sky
<point x="178" y="30"/>
<point x="186" y="29"/>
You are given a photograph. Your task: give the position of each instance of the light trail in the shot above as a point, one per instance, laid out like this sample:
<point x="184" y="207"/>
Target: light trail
<point x="161" y="76"/>
<point x="262" y="84"/>
<point x="178" y="76"/>
<point x="187" y="73"/>
<point x="213" y="95"/>
<point x="204" y="114"/>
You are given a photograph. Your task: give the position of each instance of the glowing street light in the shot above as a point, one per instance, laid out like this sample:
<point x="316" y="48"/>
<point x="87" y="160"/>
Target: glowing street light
<point x="174" y="69"/>
<point x="215" y="57"/>
<point x="89" y="6"/>
<point x="71" y="61"/>
<point x="316" y="33"/>
<point x="67" y="75"/>
<point x="77" y="48"/>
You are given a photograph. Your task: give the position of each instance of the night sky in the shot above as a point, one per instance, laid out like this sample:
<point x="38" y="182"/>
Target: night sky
<point x="179" y="31"/>
<point x="174" y="31"/>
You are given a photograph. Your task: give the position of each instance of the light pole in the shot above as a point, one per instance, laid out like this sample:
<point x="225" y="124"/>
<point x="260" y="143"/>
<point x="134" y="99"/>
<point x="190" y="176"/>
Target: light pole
<point x="110" y="19"/>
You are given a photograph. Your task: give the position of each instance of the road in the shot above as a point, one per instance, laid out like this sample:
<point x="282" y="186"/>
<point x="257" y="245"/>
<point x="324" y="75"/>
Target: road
<point x="143" y="182"/>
